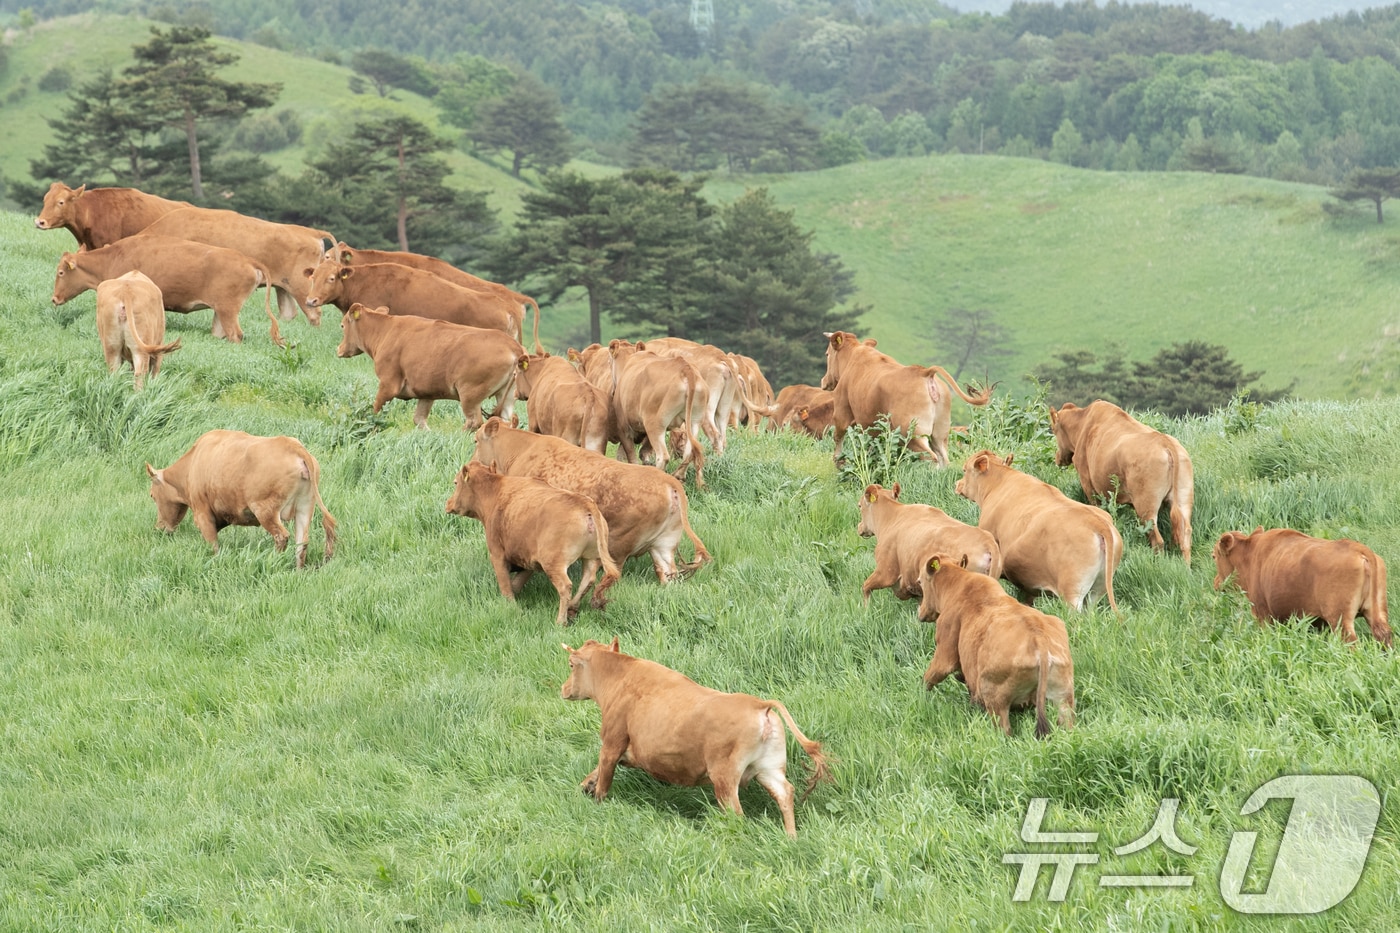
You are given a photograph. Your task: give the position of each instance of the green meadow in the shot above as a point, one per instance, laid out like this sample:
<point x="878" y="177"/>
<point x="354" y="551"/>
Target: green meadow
<point x="210" y="743"/>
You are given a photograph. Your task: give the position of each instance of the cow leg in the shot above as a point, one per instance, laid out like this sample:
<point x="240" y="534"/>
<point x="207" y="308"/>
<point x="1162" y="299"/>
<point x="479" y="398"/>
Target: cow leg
<point x="586" y="580"/>
<point x="302" y="530"/>
<point x="881" y="579"/>
<point x="287" y="305"/>
<point x="503" y="577"/>
<point x="839" y="436"/>
<point x="382" y="396"/>
<point x="614" y="746"/>
<point x="663" y="559"/>
<point x="727" y="792"/>
<point x="1001" y="711"/>
<point x="559" y="576"/>
<point x="781" y="790"/>
<point x="204" y="521"/>
<point x="420" y="412"/>
<point x="270" y="517"/>
<point x="140" y="362"/>
<point x="226" y="325"/>
<point x="919" y="444"/>
<point x="944" y="662"/>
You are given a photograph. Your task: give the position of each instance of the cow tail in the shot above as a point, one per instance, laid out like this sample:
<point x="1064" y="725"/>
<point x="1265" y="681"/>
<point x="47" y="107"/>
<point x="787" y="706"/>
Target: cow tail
<point x="820" y="764"/>
<point x="1113" y="554"/>
<point x="534" y="304"/>
<point x="702" y="556"/>
<point x="1042" y="724"/>
<point x="1379" y="612"/>
<point x="273" y="331"/>
<point x="150" y="348"/>
<point x="1183" y="497"/>
<point x="979" y="398"/>
<point x="611" y="572"/>
<point x="327" y="523"/>
<point x="757" y="412"/>
<point x="697" y="457"/>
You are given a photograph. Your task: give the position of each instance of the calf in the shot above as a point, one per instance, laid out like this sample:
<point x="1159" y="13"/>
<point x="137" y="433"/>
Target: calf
<point x="1287" y="573"/>
<point x="129" y="311"/>
<point x="232" y="478"/>
<point x="664" y="723"/>
<point x="1048" y="541"/>
<point x="906" y="536"/>
<point x="532" y="526"/>
<point x="1009" y="654"/>
<point x="561" y="402"/>
<point x="430" y="360"/>
<point x="1117" y="455"/>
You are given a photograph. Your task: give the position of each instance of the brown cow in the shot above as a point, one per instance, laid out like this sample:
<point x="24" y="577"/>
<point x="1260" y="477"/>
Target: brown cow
<point x="101" y="216"/>
<point x="652" y="394"/>
<point x="404" y="290"/>
<point x="867" y="384"/>
<point x="285" y="249"/>
<point x="347" y="256"/>
<point x="1048" y="541"/>
<point x="532" y="526"/>
<point x="129" y="313"/>
<point x="1009" y="654"/>
<point x="722" y="397"/>
<point x="595" y="364"/>
<point x="191" y="276"/>
<point x="559" y="401"/>
<point x="818" y="418"/>
<point x="645" y="509"/>
<point x="907" y="535"/>
<point x="1115" y="454"/>
<point x="664" y="723"/>
<point x="1287" y="573"/>
<point x="429" y="360"/>
<point x="759" y="389"/>
<point x="791" y="400"/>
<point x="232" y="478"/>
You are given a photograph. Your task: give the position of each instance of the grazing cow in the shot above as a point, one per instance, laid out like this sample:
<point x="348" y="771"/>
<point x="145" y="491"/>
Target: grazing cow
<point x="1009" y="654"/>
<point x="1048" y="541"/>
<point x="191" y="276"/>
<point x="645" y="509"/>
<point x="907" y="535"/>
<point x="559" y="401"/>
<point x="347" y="256"/>
<point x="532" y="526"/>
<point x="1287" y="573"/>
<point x="285" y="249"/>
<point x="101" y="216"/>
<point x="818" y="418"/>
<point x="664" y="723"/>
<point x="867" y="384"/>
<point x="404" y="290"/>
<point x="232" y="478"/>
<point x="129" y="313"/>
<point x="1117" y="455"/>
<point x="428" y="360"/>
<point x="652" y="394"/>
<point x="791" y="400"/>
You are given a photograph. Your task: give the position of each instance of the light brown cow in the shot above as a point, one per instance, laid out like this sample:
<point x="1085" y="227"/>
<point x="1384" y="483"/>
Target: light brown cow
<point x="651" y="395"/>
<point x="759" y="389"/>
<point x="818" y="418"/>
<point x="721" y="399"/>
<point x="532" y="526"/>
<point x="907" y="535"/>
<point x="129" y="314"/>
<point x="232" y="478"/>
<point x="1114" y="453"/>
<point x="191" y="276"/>
<point x="645" y="509"/>
<point x="101" y="216"/>
<point x="867" y="384"/>
<point x="285" y="249"/>
<point x="426" y="360"/>
<point x="1009" y="654"/>
<point x="664" y="723"/>
<point x="404" y="290"/>
<point x="791" y="400"/>
<point x="1048" y="541"/>
<point x="347" y="256"/>
<point x="561" y="402"/>
<point x="594" y="362"/>
<point x="1287" y="573"/>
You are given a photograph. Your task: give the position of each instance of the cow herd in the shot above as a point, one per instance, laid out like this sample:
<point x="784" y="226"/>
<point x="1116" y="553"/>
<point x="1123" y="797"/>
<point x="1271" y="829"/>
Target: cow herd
<point x="548" y="497"/>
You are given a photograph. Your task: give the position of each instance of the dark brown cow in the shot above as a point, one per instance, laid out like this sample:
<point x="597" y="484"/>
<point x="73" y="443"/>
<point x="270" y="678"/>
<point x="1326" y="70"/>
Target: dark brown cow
<point x="429" y="360"/>
<point x="1117" y="455"/>
<point x="907" y="535"/>
<point x="791" y="400"/>
<point x="131" y="324"/>
<point x="532" y="526"/>
<point x="561" y="402"/>
<point x="1048" y="541"/>
<point x="664" y="723"/>
<point x="232" y="478"/>
<point x="817" y="419"/>
<point x="644" y="507"/>
<point x="347" y="256"/>
<point x="1287" y="573"/>
<point x="285" y="249"/>
<point x="101" y="216"/>
<point x="1009" y="654"/>
<point x="404" y="290"/>
<point x="190" y="276"/>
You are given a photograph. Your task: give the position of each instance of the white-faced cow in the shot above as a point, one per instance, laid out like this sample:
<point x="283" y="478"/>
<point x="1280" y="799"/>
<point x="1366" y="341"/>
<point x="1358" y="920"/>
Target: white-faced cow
<point x="664" y="723"/>
<point x="233" y="478"/>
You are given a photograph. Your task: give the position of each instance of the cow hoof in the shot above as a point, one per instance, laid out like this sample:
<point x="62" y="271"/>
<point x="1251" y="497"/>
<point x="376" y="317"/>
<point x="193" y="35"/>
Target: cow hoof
<point x="590" y="787"/>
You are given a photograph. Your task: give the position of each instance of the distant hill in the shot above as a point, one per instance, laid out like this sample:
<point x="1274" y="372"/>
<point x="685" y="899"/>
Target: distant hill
<point x="1249" y="13"/>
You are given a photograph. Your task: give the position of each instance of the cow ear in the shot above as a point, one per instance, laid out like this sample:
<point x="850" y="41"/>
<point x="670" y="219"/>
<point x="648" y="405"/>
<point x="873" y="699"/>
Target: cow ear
<point x="1053" y="414"/>
<point x="870" y="491"/>
<point x="963" y="563"/>
<point x="933" y="565"/>
<point x="803" y="413"/>
<point x="154" y="474"/>
<point x="614" y="644"/>
<point x="78" y="191"/>
<point x="495" y="468"/>
<point x="1257" y="529"/>
<point x="982" y="462"/>
<point x="1008" y="458"/>
<point x="345" y="273"/>
<point x="345" y="257"/>
<point x="523" y="362"/>
<point x="355" y="313"/>
<point x="71" y="264"/>
<point x="566" y="648"/>
<point x="894" y="490"/>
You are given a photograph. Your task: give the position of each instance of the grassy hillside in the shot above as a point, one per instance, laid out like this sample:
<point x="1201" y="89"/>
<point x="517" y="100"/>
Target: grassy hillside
<point x="222" y="743"/>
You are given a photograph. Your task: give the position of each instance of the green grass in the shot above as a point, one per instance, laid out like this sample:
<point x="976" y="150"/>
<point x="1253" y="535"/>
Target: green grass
<point x="209" y="743"/>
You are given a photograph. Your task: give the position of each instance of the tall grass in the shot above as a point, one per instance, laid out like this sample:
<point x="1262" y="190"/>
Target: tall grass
<point x="211" y="743"/>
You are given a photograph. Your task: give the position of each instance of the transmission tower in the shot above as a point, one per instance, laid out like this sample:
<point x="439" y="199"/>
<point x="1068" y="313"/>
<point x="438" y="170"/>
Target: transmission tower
<point x="702" y="17"/>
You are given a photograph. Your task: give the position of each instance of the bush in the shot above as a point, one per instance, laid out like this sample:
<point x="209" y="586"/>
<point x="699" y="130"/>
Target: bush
<point x="56" y="80"/>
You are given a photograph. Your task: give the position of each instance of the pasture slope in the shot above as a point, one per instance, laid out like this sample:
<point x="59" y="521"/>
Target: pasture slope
<point x="201" y="743"/>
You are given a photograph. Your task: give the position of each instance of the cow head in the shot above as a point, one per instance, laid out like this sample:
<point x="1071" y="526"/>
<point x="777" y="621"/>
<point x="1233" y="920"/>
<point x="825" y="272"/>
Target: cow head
<point x="939" y="565"/>
<point x="491" y="446"/>
<point x="67" y="281"/>
<point x="580" y="685"/>
<point x="1065" y="425"/>
<point x="59" y="206"/>
<point x="472" y="490"/>
<point x="978" y="471"/>
<point x="527" y="367"/>
<point x="1225" y="553"/>
<point x="352" y="341"/>
<point x="327" y="282"/>
<point x="836" y="343"/>
<point x="170" y="503"/>
<point x="340" y="252"/>
<point x="873" y="494"/>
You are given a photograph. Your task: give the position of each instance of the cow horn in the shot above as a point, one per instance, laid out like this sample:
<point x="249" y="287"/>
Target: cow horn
<point x="566" y="648"/>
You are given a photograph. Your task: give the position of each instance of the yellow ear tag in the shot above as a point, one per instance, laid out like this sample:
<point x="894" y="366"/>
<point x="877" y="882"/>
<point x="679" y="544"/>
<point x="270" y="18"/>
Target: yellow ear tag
<point x="345" y="259"/>
<point x="524" y="364"/>
<point x="871" y="497"/>
<point x="837" y="341"/>
<point x="933" y="565"/>
<point x="356" y="315"/>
